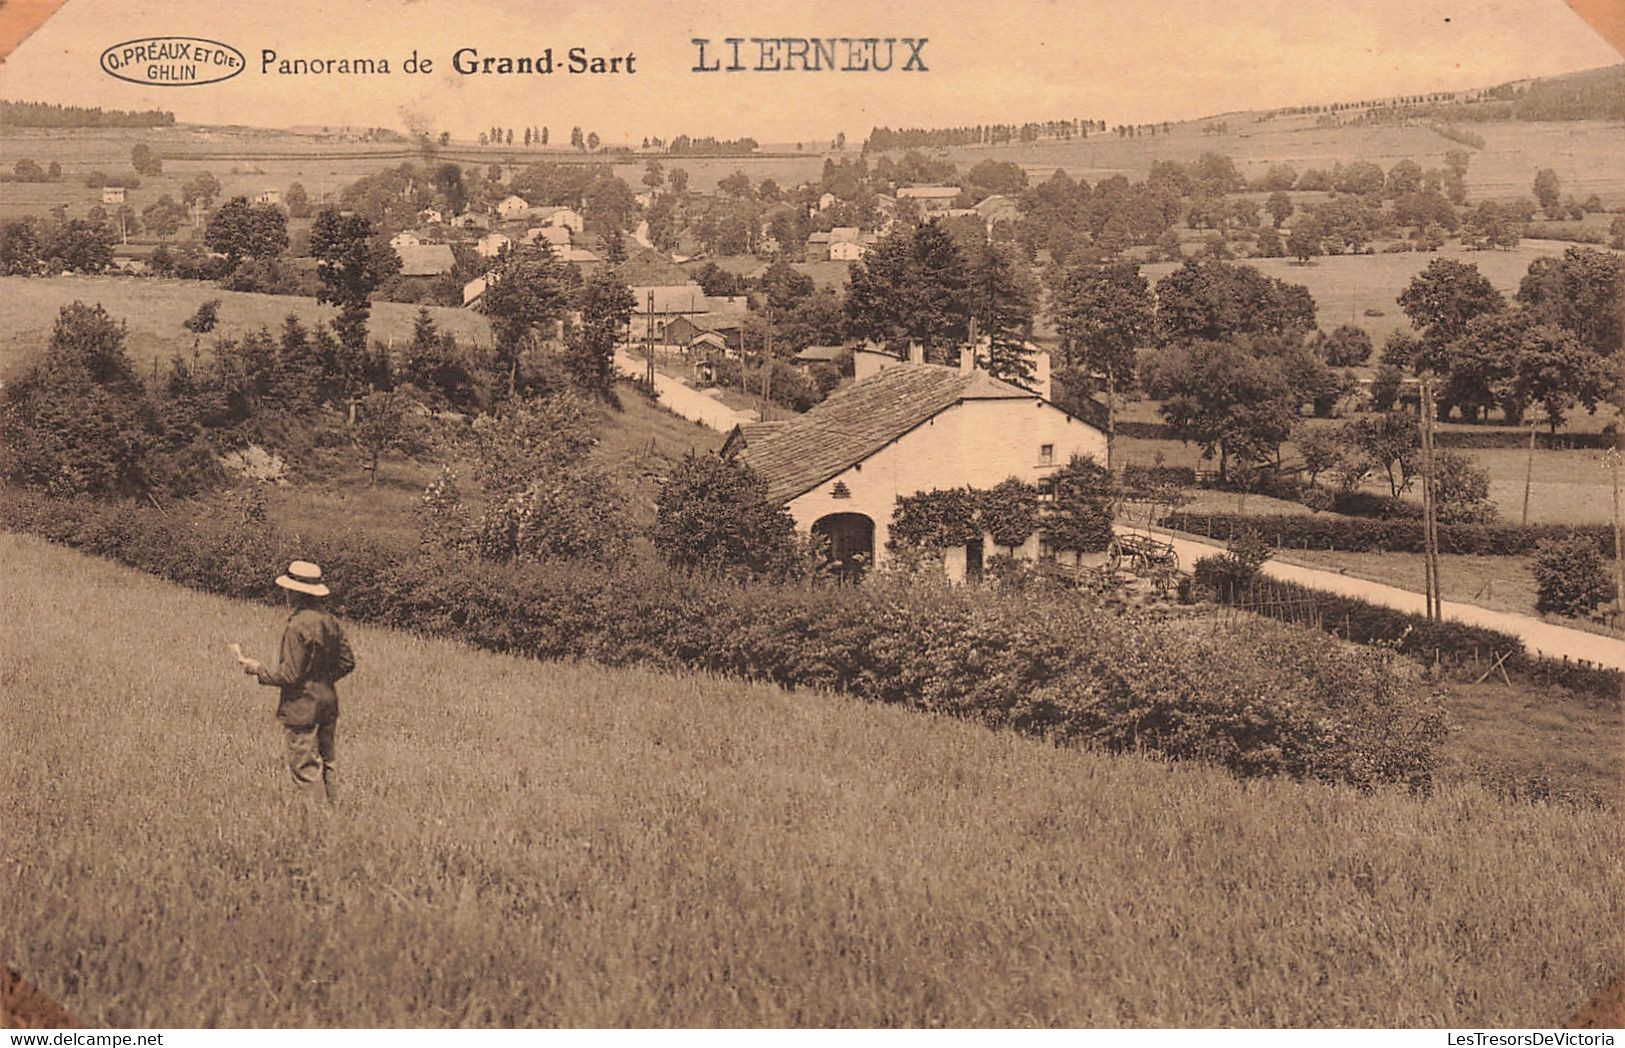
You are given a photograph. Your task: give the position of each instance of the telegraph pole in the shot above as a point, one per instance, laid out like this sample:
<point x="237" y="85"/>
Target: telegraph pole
<point x="649" y="376"/>
<point x="767" y="366"/>
<point x="1613" y="455"/>
<point x="1430" y="530"/>
<point x="1529" y="473"/>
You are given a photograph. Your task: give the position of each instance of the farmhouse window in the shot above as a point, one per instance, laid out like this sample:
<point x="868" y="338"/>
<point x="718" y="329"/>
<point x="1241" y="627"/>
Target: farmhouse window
<point x="1046" y="454"/>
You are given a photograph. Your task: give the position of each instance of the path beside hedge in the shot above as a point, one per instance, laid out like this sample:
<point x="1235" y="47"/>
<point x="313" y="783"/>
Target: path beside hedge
<point x="682" y="399"/>
<point x="1542" y="638"/>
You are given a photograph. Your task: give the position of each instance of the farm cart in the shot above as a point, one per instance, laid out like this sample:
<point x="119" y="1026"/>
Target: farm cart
<point x="1144" y="554"/>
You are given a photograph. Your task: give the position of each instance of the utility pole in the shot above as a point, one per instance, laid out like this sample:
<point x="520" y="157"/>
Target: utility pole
<point x="1430" y="532"/>
<point x="1528" y="473"/>
<point x="1613" y="456"/>
<point x="649" y="376"/>
<point x="767" y="367"/>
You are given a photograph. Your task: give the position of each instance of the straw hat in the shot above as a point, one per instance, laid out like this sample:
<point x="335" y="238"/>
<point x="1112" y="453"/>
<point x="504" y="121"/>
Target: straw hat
<point x="303" y="577"/>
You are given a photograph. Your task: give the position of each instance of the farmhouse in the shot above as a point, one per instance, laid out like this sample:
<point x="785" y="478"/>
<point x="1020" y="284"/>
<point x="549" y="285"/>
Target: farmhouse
<point x="425" y="260"/>
<point x="405" y="238"/>
<point x="930" y="198"/>
<point x="727" y="330"/>
<point x="553" y="236"/>
<point x="512" y="206"/>
<point x="561" y="217"/>
<point x="840" y="468"/>
<point x="995" y="209"/>
<point x="670" y="301"/>
<point x="492" y="244"/>
<point x="268" y="196"/>
<point x="112" y="194"/>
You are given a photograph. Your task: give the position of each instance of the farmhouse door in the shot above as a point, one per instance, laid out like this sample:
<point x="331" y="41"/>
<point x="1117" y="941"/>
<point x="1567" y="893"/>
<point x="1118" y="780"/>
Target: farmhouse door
<point x="851" y="538"/>
<point x="973" y="560"/>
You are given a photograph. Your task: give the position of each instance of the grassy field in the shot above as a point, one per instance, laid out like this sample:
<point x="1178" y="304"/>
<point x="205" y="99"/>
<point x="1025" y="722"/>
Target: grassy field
<point x="1502" y="583"/>
<point x="1346" y="286"/>
<point x="154" y="309"/>
<point x="545" y="844"/>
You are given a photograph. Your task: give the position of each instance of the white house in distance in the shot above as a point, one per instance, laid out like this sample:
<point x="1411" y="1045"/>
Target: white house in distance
<point x="268" y="196"/>
<point x="557" y="237"/>
<point x="562" y="217"/>
<point x="112" y="194"/>
<point x="840" y="468"/>
<point x="847" y="244"/>
<point x="405" y="238"/>
<point x="492" y="244"/>
<point x="512" y="206"/>
<point x="930" y="198"/>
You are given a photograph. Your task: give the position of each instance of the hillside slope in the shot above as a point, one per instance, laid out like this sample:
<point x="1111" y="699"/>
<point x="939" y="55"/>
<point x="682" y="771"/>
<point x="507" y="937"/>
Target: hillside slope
<point x="154" y="310"/>
<point x="544" y="844"/>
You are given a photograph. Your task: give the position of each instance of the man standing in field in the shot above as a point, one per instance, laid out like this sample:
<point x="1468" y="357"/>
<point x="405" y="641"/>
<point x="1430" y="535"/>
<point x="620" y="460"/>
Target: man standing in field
<point x="314" y="655"/>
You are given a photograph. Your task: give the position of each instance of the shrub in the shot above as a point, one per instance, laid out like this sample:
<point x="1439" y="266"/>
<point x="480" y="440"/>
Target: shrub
<point x="1571" y="577"/>
<point x="1347" y="346"/>
<point x="1370" y="504"/>
<point x="1255" y="697"/>
<point x="575" y="514"/>
<point x="1146" y="478"/>
<point x="1319" y="499"/>
<point x="1235" y="569"/>
<point x="713" y="515"/>
<point x="1462" y="488"/>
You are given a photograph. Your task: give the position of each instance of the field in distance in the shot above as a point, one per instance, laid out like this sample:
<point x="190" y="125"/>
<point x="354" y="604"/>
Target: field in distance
<point x="154" y="309"/>
<point x="526" y="843"/>
<point x="1588" y="155"/>
<point x="249" y="160"/>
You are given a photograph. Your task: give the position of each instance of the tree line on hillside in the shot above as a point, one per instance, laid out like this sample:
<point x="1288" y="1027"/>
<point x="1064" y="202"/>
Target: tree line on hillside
<point x="51" y="114"/>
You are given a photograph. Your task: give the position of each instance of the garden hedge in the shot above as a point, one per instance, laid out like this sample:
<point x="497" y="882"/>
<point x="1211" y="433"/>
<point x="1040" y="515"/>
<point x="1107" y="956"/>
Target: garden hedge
<point x="1368" y="535"/>
<point x="1256" y="697"/>
<point x="1453" y="643"/>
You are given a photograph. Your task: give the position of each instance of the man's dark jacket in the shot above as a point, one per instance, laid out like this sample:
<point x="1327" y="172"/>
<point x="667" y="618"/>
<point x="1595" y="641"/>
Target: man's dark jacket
<point x="314" y="655"/>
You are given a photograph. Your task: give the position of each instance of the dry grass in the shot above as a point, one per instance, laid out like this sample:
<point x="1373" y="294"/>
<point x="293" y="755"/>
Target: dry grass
<point x="1533" y="741"/>
<point x="154" y="310"/>
<point x="550" y="844"/>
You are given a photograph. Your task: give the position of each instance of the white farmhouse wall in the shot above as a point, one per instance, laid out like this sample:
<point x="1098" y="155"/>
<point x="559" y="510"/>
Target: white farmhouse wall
<point x="976" y="443"/>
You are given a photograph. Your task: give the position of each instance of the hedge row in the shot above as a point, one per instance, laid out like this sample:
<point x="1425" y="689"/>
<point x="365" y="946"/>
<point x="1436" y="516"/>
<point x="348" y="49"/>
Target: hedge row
<point x="1454" y="643"/>
<point x="1256" y="697"/>
<point x="1366" y="535"/>
<point x="1138" y="476"/>
<point x="1513" y="438"/>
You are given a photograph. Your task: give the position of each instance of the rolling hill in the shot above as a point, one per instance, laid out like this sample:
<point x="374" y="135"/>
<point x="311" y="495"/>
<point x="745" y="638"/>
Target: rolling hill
<point x="536" y="844"/>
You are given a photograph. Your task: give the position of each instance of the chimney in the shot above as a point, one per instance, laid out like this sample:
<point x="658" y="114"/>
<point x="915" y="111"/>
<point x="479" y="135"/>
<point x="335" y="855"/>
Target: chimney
<point x="916" y="353"/>
<point x="967" y="359"/>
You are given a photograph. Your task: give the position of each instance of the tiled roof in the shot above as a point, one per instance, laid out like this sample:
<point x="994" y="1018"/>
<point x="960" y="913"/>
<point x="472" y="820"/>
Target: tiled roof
<point x="859" y="420"/>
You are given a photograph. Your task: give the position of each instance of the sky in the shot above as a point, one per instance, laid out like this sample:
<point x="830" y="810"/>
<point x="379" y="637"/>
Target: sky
<point x="1009" y="60"/>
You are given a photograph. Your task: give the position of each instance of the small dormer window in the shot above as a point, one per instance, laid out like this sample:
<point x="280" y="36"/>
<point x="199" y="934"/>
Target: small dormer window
<point x="1046" y="454"/>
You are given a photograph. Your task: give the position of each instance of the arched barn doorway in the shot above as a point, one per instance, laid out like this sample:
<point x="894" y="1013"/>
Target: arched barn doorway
<point x="851" y="539"/>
